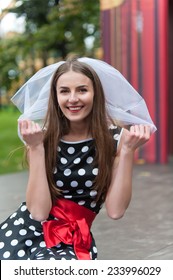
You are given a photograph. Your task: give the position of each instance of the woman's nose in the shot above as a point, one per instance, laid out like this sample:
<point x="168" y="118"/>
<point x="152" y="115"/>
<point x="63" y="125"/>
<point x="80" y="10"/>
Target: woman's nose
<point x="73" y="97"/>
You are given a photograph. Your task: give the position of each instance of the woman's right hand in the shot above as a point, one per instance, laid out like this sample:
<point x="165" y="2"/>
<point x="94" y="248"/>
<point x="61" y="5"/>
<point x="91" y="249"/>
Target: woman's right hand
<point x="31" y="133"/>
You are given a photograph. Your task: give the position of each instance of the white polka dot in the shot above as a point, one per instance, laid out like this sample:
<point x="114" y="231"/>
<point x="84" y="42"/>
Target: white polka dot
<point x="23" y="232"/>
<point x="23" y="208"/>
<point x="55" y="170"/>
<point x="72" y="253"/>
<point x="81" y="172"/>
<point x="8" y="233"/>
<point x="94" y="249"/>
<point x="93" y="193"/>
<point x="80" y="191"/>
<point x="89" y="160"/>
<point x="13" y="215"/>
<point x="62" y="253"/>
<point x="116" y="136"/>
<point x="4" y="226"/>
<point x="33" y="249"/>
<point x="21" y="253"/>
<point x="59" y="149"/>
<point x="1" y="245"/>
<point x="74" y="184"/>
<point x="52" y="258"/>
<point x="32" y="228"/>
<point x="42" y="244"/>
<point x="50" y="253"/>
<point x="95" y="171"/>
<point x="65" y="191"/>
<point x="30" y="216"/>
<point x="59" y="183"/>
<point x="112" y="126"/>
<point x="82" y="202"/>
<point x="93" y="204"/>
<point x="63" y="160"/>
<point x="28" y="242"/>
<point x="16" y="222"/>
<point x="88" y="183"/>
<point x="71" y="150"/>
<point x="36" y="233"/>
<point x="68" y="196"/>
<point x="59" y="251"/>
<point x="6" y="255"/>
<point x="21" y="221"/>
<point x="85" y="149"/>
<point x="63" y="259"/>
<point x="67" y="172"/>
<point x="77" y="160"/>
<point x="14" y="242"/>
<point x="40" y="255"/>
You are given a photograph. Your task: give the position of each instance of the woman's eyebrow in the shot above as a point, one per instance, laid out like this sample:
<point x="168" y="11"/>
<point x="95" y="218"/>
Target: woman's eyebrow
<point x="82" y="86"/>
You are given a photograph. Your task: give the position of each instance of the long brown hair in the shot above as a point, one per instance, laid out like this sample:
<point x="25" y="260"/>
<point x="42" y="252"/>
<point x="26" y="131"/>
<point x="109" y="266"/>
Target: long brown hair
<point x="57" y="125"/>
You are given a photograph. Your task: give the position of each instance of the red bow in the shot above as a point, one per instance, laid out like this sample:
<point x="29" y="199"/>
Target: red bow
<point x="71" y="226"/>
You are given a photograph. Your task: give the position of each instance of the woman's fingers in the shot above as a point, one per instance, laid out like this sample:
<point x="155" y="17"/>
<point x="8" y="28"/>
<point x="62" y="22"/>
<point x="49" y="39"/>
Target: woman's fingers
<point x="136" y="136"/>
<point x="30" y="132"/>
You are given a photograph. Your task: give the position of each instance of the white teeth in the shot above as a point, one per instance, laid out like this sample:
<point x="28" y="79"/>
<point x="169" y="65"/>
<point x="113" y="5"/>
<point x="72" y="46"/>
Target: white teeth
<point x="75" y="108"/>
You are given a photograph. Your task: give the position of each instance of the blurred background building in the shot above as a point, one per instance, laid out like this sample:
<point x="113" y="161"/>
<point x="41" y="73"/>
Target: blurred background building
<point x="137" y="39"/>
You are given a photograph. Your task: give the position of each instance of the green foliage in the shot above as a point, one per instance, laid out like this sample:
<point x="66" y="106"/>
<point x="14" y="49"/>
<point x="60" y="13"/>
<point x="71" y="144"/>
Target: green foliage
<point x="11" y="152"/>
<point x="54" y="29"/>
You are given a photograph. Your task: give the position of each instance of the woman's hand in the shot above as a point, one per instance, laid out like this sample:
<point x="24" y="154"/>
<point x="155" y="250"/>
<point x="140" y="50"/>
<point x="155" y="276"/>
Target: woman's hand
<point x="135" y="137"/>
<point x="120" y="190"/>
<point x="31" y="133"/>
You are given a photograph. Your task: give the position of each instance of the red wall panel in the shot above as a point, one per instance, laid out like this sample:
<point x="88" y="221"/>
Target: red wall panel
<point x="137" y="43"/>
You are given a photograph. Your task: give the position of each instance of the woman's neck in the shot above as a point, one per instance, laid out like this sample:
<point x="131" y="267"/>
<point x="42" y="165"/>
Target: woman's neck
<point x="77" y="133"/>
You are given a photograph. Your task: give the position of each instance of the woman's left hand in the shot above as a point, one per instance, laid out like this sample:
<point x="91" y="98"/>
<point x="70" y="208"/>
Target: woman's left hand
<point x="135" y="137"/>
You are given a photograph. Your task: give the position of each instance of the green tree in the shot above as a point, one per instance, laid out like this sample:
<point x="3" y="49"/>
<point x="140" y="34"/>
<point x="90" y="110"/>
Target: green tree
<point x="53" y="29"/>
<point x="59" y="27"/>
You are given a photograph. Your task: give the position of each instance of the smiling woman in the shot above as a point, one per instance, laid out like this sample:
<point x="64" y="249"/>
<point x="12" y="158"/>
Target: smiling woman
<point x="76" y="160"/>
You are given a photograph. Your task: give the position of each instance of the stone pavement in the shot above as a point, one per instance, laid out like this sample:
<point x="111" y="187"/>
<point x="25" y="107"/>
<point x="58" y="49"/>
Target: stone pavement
<point x="145" y="231"/>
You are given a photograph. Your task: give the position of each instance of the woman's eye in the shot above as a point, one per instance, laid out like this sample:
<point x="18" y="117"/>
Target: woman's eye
<point x="83" y="89"/>
<point x="64" y="91"/>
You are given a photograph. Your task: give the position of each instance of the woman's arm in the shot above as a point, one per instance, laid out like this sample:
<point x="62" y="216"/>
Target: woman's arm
<point x="120" y="190"/>
<point x="38" y="197"/>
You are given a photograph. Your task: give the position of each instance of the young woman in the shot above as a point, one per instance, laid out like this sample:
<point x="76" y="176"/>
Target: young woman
<point x="78" y="160"/>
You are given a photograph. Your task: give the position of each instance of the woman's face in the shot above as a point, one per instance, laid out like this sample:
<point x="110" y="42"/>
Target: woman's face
<point x="75" y="96"/>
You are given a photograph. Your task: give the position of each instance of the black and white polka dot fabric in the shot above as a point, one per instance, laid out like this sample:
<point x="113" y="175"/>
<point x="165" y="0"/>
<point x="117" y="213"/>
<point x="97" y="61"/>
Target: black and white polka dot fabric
<point x="21" y="237"/>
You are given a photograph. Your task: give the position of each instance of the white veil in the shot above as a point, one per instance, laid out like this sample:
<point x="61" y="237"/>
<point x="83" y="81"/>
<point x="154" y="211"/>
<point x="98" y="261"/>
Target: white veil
<point x="123" y="102"/>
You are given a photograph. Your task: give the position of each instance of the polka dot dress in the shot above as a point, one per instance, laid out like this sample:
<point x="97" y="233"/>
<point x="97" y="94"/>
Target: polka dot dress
<point x="21" y="237"/>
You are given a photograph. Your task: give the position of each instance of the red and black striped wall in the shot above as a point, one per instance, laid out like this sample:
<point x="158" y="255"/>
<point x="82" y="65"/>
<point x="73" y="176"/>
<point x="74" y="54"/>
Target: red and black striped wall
<point x="134" y="38"/>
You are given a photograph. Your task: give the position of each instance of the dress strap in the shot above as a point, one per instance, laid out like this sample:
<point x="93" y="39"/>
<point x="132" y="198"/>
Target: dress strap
<point x="71" y="226"/>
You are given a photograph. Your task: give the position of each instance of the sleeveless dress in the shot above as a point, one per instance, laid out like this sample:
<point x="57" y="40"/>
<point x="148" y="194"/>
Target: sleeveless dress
<point x="21" y="237"/>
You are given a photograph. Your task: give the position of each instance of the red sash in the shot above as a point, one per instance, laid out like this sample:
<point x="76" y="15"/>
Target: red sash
<point x="71" y="226"/>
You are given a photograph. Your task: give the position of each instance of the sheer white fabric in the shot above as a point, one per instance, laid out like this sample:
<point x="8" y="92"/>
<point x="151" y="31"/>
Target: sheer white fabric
<point x="123" y="102"/>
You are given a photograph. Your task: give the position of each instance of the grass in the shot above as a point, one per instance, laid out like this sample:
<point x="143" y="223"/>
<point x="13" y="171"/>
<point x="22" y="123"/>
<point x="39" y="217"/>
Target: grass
<point x="11" y="148"/>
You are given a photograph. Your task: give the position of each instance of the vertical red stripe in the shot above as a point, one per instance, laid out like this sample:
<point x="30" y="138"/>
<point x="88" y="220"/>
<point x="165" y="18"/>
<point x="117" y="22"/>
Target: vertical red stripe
<point x="163" y="58"/>
<point x="113" y="36"/>
<point x="134" y="47"/>
<point x="148" y="63"/>
<point x="124" y="38"/>
<point x="106" y="35"/>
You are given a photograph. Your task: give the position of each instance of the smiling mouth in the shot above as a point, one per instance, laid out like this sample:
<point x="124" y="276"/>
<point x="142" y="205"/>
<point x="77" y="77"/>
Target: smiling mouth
<point x="75" y="108"/>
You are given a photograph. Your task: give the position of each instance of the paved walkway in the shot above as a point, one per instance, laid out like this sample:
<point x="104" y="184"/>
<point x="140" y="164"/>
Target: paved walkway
<point x="146" y="230"/>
